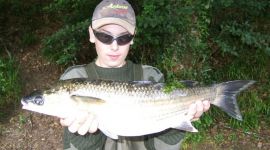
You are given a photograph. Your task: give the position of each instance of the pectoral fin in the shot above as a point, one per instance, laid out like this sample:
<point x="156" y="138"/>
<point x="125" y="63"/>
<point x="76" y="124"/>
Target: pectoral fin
<point x="86" y="99"/>
<point x="186" y="126"/>
<point x="107" y="132"/>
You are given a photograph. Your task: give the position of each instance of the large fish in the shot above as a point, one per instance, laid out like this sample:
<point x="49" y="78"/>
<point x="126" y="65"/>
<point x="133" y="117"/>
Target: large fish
<point x="133" y="108"/>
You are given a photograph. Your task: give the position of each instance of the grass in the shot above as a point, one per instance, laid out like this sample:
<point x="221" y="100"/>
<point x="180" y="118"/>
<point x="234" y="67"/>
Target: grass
<point x="254" y="103"/>
<point x="9" y="86"/>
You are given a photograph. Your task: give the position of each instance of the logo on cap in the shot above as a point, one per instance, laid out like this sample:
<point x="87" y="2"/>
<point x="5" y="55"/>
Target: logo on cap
<point x="117" y="6"/>
<point x="116" y="9"/>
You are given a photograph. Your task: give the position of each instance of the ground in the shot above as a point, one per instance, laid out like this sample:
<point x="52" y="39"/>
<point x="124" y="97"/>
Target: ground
<point x="26" y="130"/>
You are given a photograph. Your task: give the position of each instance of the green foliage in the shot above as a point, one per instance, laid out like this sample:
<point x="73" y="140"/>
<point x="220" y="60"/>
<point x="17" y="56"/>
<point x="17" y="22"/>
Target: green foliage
<point x="205" y="122"/>
<point x="72" y="11"/>
<point x="171" y="86"/>
<point x="194" y="137"/>
<point x="9" y="82"/>
<point x="28" y="38"/>
<point x="179" y="34"/>
<point x="238" y="26"/>
<point x="22" y="119"/>
<point x="219" y="138"/>
<point x="162" y="23"/>
<point x="63" y="45"/>
<point x="19" y="20"/>
<point x="233" y="137"/>
<point x="179" y="62"/>
<point x="253" y="103"/>
<point x="258" y="108"/>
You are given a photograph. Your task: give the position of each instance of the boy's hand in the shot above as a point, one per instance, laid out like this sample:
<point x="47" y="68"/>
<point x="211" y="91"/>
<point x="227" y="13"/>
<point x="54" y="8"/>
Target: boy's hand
<point x="197" y="109"/>
<point x="81" y="122"/>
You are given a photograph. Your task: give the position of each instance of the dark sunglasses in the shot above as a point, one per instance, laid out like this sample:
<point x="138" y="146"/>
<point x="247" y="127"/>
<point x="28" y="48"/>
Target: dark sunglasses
<point x="108" y="39"/>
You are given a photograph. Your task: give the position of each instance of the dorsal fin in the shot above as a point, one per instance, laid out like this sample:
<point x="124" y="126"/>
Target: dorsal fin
<point x="156" y="85"/>
<point x="189" y="83"/>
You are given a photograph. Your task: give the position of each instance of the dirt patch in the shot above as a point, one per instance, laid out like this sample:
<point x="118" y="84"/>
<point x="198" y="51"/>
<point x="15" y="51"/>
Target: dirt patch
<point x="222" y="136"/>
<point x="27" y="130"/>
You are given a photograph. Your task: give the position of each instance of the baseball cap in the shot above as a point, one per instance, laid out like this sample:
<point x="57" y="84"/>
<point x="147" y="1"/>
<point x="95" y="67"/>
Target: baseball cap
<point x="117" y="12"/>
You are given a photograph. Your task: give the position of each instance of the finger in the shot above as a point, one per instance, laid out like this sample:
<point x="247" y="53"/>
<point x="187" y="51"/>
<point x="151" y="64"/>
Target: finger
<point x="67" y="121"/>
<point x="191" y="111"/>
<point x="94" y="126"/>
<point x="81" y="117"/>
<point x="86" y="125"/>
<point x="199" y="109"/>
<point x="74" y="127"/>
<point x="206" y="105"/>
<point x="62" y="122"/>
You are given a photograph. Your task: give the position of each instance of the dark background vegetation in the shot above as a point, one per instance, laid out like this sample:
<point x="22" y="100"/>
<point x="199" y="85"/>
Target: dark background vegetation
<point x="204" y="40"/>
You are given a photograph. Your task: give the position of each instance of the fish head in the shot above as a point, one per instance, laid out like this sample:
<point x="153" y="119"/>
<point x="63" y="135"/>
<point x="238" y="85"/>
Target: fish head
<point x="35" y="98"/>
<point x="48" y="102"/>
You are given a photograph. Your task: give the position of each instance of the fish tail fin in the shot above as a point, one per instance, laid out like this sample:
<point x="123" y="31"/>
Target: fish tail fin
<point x="226" y="96"/>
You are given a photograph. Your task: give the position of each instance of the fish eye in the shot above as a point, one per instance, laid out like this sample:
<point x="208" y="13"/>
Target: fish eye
<point x="38" y="100"/>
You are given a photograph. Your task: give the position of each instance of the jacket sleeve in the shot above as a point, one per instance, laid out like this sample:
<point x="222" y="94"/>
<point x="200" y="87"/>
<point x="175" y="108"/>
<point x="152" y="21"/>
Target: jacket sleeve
<point x="152" y="74"/>
<point x="77" y="71"/>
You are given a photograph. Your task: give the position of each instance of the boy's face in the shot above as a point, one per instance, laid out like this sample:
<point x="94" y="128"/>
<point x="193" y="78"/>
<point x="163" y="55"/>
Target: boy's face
<point x="110" y="55"/>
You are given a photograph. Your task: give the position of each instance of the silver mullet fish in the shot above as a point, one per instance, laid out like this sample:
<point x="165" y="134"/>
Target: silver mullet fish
<point x="133" y="108"/>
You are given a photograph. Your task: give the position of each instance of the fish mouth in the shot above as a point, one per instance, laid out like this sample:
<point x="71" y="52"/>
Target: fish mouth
<point x="24" y="102"/>
<point x="34" y="98"/>
<point x="30" y="105"/>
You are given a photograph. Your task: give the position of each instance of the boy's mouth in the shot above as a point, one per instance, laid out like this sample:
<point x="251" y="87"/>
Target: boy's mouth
<point x="114" y="57"/>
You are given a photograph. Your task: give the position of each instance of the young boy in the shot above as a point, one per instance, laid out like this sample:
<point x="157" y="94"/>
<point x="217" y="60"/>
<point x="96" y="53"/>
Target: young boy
<point x="112" y="31"/>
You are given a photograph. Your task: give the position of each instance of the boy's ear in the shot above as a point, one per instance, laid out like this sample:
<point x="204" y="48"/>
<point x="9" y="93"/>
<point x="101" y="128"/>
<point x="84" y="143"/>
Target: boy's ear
<point x="92" y="37"/>
<point x="131" y="42"/>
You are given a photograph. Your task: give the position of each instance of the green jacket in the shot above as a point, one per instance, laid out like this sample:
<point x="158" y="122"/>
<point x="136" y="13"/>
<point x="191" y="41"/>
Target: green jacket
<point x="167" y="140"/>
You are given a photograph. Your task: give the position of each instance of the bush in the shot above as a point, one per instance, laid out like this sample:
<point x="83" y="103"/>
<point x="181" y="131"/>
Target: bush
<point x="238" y="26"/>
<point x="63" y="45"/>
<point x="19" y="20"/>
<point x="173" y="36"/>
<point x="72" y="12"/>
<point x="71" y="41"/>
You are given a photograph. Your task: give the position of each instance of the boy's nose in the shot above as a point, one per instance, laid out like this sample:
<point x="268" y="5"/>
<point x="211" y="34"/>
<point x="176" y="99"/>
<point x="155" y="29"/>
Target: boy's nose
<point x="114" y="45"/>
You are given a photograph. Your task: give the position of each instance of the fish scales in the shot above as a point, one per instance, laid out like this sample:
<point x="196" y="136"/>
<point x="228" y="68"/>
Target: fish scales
<point x="179" y="103"/>
<point x="134" y="108"/>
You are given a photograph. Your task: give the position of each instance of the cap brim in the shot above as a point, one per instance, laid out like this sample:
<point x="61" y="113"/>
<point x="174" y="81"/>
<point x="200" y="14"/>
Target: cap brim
<point x="105" y="21"/>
